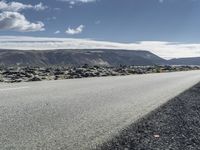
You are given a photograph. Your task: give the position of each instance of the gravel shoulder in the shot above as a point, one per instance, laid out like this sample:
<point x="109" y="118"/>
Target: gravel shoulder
<point x="174" y="126"/>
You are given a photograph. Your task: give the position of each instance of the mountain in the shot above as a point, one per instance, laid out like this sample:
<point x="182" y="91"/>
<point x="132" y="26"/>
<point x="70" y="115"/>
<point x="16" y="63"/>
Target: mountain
<point x="185" y="61"/>
<point x="79" y="57"/>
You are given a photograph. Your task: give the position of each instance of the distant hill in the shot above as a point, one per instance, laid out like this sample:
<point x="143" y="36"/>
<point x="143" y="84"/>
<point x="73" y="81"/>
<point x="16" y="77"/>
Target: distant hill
<point x="185" y="61"/>
<point x="79" y="57"/>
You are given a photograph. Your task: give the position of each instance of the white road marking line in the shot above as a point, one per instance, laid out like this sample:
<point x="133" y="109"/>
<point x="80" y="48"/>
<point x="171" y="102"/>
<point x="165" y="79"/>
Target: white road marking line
<point x="14" y="88"/>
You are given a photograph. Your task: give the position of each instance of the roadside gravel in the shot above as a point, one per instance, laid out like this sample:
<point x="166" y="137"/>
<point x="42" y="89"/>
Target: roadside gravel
<point x="174" y="126"/>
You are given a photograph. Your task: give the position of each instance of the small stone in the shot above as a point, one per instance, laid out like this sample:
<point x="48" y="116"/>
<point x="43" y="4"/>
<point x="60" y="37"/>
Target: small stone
<point x="156" y="136"/>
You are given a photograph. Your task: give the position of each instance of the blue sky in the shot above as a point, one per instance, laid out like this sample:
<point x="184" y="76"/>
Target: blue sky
<point x="168" y="28"/>
<point x="113" y="20"/>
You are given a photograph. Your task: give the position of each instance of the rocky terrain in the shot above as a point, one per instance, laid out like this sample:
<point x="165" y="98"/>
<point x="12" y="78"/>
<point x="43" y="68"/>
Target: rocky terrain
<point x="22" y="65"/>
<point x="26" y="74"/>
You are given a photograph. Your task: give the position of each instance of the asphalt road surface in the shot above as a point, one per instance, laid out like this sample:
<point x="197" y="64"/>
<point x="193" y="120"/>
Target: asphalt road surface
<point x="81" y="113"/>
<point x="173" y="126"/>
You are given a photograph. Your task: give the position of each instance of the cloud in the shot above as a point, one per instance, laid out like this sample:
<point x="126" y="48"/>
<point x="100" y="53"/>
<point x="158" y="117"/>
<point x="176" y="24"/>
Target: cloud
<point x="163" y="49"/>
<point x="39" y="6"/>
<point x="17" y="6"/>
<point x="11" y="19"/>
<point x="57" y="32"/>
<point x="17" y="22"/>
<point x="72" y="2"/>
<point x="77" y="30"/>
<point x="161" y="1"/>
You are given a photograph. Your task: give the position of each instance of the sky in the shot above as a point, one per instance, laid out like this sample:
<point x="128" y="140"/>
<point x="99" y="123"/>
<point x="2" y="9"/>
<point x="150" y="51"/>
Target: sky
<point x="168" y="28"/>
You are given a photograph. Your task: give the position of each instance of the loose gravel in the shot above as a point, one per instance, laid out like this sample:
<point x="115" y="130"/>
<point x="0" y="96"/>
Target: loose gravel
<point x="174" y="126"/>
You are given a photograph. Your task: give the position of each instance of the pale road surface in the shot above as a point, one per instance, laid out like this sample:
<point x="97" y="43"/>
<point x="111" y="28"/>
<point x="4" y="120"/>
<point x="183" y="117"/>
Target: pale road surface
<point x="81" y="113"/>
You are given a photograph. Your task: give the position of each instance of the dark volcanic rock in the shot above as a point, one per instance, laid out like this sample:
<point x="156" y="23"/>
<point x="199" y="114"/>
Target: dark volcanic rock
<point x="19" y="74"/>
<point x="35" y="79"/>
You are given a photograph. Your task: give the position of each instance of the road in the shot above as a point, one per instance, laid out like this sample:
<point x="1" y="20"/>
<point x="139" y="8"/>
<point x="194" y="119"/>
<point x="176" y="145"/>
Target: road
<point x="81" y="113"/>
<point x="173" y="126"/>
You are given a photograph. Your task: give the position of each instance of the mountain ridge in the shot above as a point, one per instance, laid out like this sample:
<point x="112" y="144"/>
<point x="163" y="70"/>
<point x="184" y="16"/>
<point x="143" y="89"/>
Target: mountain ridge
<point x="185" y="61"/>
<point x="78" y="57"/>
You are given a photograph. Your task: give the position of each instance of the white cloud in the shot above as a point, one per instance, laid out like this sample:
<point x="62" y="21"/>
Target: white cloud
<point x="77" y="30"/>
<point x="161" y="1"/>
<point x="57" y="32"/>
<point x="73" y="2"/>
<point x="163" y="49"/>
<point x="17" y="6"/>
<point x="17" y="22"/>
<point x="39" y="6"/>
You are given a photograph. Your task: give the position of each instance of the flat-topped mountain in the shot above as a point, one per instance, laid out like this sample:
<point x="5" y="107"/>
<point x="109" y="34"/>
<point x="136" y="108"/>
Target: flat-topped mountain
<point x="185" y="61"/>
<point x="78" y="57"/>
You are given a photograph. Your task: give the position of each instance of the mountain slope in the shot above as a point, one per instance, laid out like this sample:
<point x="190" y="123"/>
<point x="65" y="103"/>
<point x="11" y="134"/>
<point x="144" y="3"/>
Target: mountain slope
<point x="79" y="57"/>
<point x="185" y="61"/>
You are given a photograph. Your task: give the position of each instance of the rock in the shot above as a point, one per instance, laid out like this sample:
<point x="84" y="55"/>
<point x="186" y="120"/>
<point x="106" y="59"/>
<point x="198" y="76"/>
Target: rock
<point x="35" y="78"/>
<point x="19" y="74"/>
